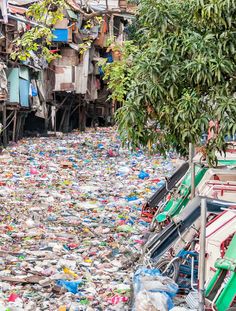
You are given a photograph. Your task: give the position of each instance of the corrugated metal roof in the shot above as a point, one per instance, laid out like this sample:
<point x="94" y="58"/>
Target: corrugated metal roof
<point x="21" y="2"/>
<point x="100" y="5"/>
<point x="15" y="9"/>
<point x="72" y="14"/>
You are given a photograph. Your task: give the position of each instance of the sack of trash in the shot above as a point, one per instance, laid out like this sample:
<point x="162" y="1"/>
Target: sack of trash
<point x="152" y="291"/>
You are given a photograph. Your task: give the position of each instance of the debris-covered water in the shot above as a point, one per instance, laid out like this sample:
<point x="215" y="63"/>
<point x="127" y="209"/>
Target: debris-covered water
<point x="70" y="220"/>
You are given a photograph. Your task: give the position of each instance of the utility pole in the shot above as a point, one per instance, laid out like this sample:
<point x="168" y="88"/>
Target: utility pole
<point x="192" y="169"/>
<point x="202" y="265"/>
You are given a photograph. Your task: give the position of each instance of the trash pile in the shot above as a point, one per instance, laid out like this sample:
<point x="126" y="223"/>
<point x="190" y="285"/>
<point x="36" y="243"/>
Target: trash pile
<point x="70" y="220"/>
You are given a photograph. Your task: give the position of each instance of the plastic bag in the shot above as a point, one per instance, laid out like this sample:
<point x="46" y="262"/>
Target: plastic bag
<point x="152" y="290"/>
<point x="147" y="301"/>
<point x="71" y="286"/>
<point x="34" y="91"/>
<point x="143" y="175"/>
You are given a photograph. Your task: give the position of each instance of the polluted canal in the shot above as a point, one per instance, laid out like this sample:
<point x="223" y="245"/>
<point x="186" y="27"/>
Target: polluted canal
<point x="70" y="220"/>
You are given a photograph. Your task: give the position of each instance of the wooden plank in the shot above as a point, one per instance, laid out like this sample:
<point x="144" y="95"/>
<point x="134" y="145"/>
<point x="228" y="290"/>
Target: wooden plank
<point x="4" y="123"/>
<point x="3" y="96"/>
<point x="14" y="126"/>
<point x="67" y="119"/>
<point x="9" y="116"/>
<point x="30" y="279"/>
<point x="18" y="126"/>
<point x="23" y="124"/>
<point x="62" y="119"/>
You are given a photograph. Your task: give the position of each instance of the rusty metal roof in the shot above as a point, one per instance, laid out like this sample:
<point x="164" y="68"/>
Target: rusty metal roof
<point x="21" y="2"/>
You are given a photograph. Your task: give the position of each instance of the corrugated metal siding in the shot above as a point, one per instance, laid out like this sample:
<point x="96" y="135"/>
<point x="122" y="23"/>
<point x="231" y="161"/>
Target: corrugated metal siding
<point x="18" y="81"/>
<point x="64" y="78"/>
<point x="14" y="83"/>
<point x="24" y="73"/>
<point x="24" y="92"/>
<point x="81" y="75"/>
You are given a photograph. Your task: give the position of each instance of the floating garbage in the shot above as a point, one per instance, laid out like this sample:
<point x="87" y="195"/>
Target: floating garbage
<point x="143" y="175"/>
<point x="70" y="221"/>
<point x="71" y="286"/>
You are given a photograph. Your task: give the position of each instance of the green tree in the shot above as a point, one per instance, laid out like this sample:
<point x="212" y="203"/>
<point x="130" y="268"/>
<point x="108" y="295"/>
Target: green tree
<point x="38" y="39"/>
<point x="43" y="14"/>
<point x="182" y="76"/>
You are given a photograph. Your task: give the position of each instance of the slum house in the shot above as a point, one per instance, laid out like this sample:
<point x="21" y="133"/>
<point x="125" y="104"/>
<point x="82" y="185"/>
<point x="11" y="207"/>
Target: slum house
<point x="70" y="92"/>
<point x="14" y="84"/>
